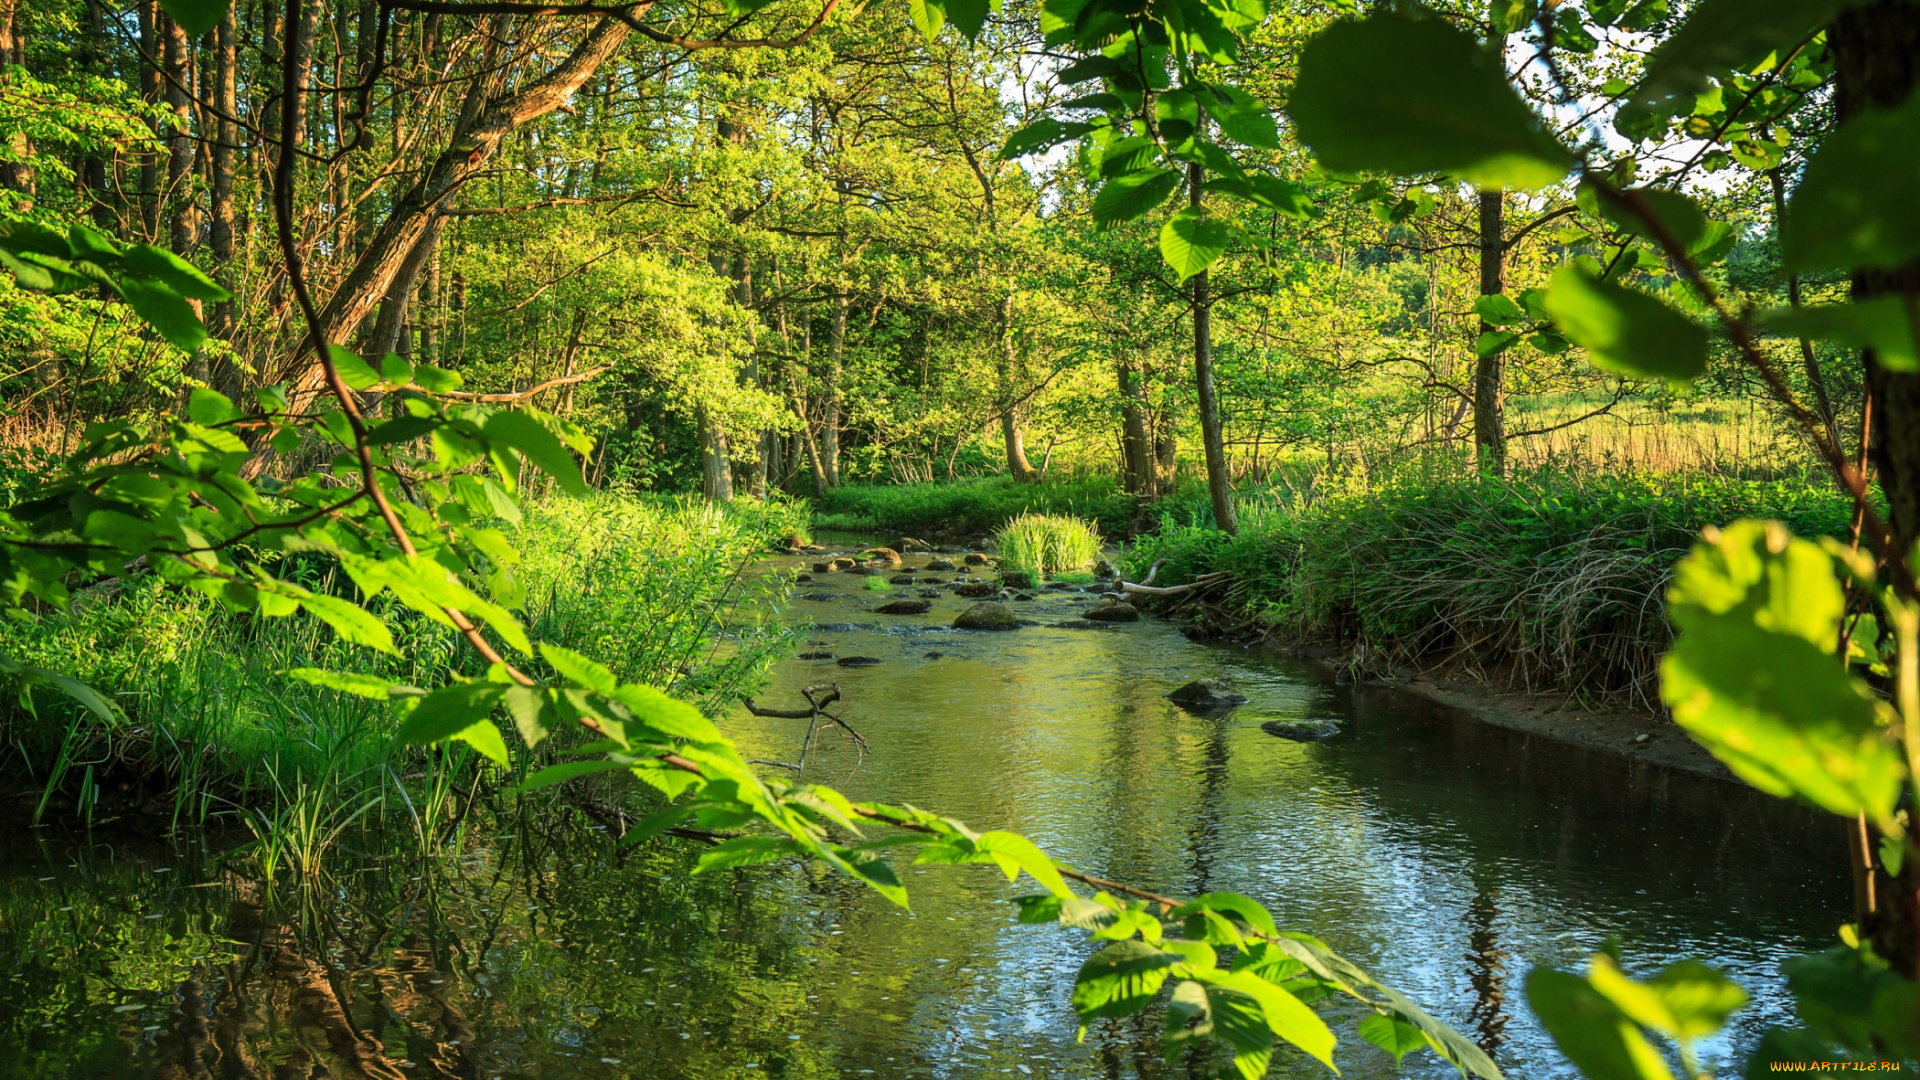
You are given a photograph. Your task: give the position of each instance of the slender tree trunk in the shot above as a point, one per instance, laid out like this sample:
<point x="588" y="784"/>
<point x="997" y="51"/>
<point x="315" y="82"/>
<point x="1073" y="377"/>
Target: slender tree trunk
<point x="220" y="232"/>
<point x="1166" y="446"/>
<point x="150" y="50"/>
<point x="716" y="465"/>
<point x="1489" y="372"/>
<point x="391" y="325"/>
<point x="830" y="418"/>
<point x="1811" y="364"/>
<point x="1876" y="58"/>
<point x="1136" y="449"/>
<point x="1219" y="484"/>
<point x="95" y="194"/>
<point x="15" y="175"/>
<point x="1017" y="465"/>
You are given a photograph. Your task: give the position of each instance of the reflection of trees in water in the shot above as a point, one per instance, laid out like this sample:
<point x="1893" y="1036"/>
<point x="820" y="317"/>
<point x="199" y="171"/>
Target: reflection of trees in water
<point x="1486" y="968"/>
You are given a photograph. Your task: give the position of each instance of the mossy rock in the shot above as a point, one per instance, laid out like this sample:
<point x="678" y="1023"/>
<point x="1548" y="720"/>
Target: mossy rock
<point x="940" y="565"/>
<point x="1301" y="730"/>
<point x="977" y="590"/>
<point x="905" y="607"/>
<point x="987" y="615"/>
<point x="1117" y="611"/>
<point x="1206" y="694"/>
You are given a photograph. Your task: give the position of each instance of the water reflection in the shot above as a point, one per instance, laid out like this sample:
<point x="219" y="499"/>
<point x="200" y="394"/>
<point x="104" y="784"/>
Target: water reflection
<point x="1447" y="856"/>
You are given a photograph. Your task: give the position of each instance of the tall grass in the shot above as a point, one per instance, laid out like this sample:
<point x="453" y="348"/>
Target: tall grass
<point x="1043" y="544"/>
<point x="1552" y="579"/>
<point x="972" y="506"/>
<point x="659" y="590"/>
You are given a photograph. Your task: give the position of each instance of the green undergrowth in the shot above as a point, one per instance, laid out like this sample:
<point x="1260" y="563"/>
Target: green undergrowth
<point x="1045" y="544"/>
<point x="1548" y="580"/>
<point x="976" y="507"/>
<point x="658" y="590"/>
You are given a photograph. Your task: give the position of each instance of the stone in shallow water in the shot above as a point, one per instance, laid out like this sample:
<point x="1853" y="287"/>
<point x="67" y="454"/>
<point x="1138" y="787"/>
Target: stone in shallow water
<point x="1301" y="730"/>
<point x="905" y="607"/>
<point x="976" y="590"/>
<point x="1206" y="694"/>
<point x="929" y="594"/>
<point x="940" y="566"/>
<point x="974" y="558"/>
<point x="816" y="656"/>
<point x="1021" y="596"/>
<point x="859" y="661"/>
<point x="822" y="568"/>
<point x="803" y="577"/>
<point x="987" y="615"/>
<point x="900" y="579"/>
<point x="1118" y="612"/>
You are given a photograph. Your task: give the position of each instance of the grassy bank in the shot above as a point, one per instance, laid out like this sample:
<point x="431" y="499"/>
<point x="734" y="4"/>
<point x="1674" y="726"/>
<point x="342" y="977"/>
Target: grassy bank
<point x="207" y="719"/>
<point x="1551" y="579"/>
<point x="972" y="507"/>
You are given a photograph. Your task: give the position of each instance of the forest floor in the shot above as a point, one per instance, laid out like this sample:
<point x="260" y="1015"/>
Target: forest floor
<point x="1557" y="716"/>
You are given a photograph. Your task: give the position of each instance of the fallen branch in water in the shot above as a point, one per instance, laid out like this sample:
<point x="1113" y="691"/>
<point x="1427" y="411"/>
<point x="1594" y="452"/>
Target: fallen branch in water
<point x="816" y="712"/>
<point x="1200" y="582"/>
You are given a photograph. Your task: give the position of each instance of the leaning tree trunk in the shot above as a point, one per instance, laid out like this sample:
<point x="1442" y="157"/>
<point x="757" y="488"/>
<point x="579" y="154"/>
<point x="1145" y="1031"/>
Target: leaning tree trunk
<point x="1490" y="371"/>
<point x="1219" y="484"/>
<point x="1876" y="58"/>
<point x="416" y="210"/>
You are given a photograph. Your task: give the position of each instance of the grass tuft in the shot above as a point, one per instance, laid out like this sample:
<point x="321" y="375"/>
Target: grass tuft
<point x="1043" y="544"/>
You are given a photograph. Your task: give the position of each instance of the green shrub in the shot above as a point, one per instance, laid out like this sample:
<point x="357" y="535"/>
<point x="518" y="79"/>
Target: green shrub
<point x="878" y="584"/>
<point x="972" y="506"/>
<point x="1043" y="544"/>
<point x="1550" y="579"/>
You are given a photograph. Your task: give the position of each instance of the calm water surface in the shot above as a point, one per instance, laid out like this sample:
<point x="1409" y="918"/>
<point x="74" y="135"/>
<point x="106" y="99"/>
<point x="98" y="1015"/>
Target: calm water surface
<point x="1447" y="857"/>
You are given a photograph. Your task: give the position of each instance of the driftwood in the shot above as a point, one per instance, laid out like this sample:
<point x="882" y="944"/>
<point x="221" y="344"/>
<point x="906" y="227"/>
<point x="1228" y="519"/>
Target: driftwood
<point x="1146" y="587"/>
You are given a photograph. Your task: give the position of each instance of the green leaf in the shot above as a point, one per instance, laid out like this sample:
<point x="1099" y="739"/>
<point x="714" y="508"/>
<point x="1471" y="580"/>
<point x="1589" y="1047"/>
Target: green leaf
<point x="969" y="16"/>
<point x="1192" y="240"/>
<point x="164" y="310"/>
<point x="1396" y="94"/>
<point x="1752" y="676"/>
<point x="352" y="622"/>
<point x="528" y="707"/>
<point x="176" y="273"/>
<point x="1854" y="206"/>
<point x="668" y="715"/>
<point x="565" y="771"/>
<point x="448" y="711"/>
<point x="1392" y="1034"/>
<point x="1243" y="117"/>
<point x="1133" y="195"/>
<point x="353" y="370"/>
<point x="928" y="17"/>
<point x="196" y="17"/>
<point x="1121" y="979"/>
<point x="1600" y="1040"/>
<point x="1626" y="332"/>
<point x="1680" y="216"/>
<point x="435" y="380"/>
<point x="401" y="429"/>
<point x="541" y="446"/>
<point x="348" y="682"/>
<point x="1199" y="1012"/>
<point x="1494" y="342"/>
<point x="1243" y="909"/>
<point x="746" y="851"/>
<point x="209" y="407"/>
<point x="1043" y="134"/>
<point x="1721" y="36"/>
<point x="578" y="669"/>
<point x="1884" y="324"/>
<point x="484" y="737"/>
<point x="1686" y="1001"/>
<point x="1496" y="309"/>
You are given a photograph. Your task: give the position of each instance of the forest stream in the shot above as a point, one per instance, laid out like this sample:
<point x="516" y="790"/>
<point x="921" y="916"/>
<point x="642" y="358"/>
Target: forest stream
<point x="1445" y="856"/>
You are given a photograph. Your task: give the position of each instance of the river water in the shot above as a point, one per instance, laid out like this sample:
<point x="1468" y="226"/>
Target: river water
<point x="1447" y="857"/>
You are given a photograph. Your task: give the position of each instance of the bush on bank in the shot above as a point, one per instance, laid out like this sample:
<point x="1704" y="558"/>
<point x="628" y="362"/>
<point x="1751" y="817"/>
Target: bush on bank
<point x="1546" y="580"/>
<point x="972" y="507"/>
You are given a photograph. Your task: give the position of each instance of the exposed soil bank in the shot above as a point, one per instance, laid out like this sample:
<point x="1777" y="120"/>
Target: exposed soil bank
<point x="1553" y="716"/>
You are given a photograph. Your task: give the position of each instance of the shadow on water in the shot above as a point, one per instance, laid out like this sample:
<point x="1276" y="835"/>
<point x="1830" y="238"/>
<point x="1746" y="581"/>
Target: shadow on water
<point x="1447" y="856"/>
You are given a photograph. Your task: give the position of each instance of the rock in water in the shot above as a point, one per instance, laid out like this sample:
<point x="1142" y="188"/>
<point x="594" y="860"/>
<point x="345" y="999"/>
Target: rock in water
<point x="987" y="615"/>
<point x="822" y="568"/>
<point x="1120" y="611"/>
<point x="816" y="656"/>
<point x="1301" y="730"/>
<point x="842" y="563"/>
<point x="905" y="607"/>
<point x="1103" y="569"/>
<point x="940" y="566"/>
<point x="976" y="559"/>
<point x="930" y="594"/>
<point x="1021" y="596"/>
<point x="803" y="577"/>
<point x="976" y="590"/>
<point x="1204" y="693"/>
<point x="859" y="661"/>
<point x="900" y="579"/>
<point x="883" y="555"/>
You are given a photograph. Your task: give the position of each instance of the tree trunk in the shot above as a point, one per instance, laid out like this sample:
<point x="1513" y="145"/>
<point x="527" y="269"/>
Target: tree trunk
<point x="1219" y="484"/>
<point x="716" y="467"/>
<point x="15" y="175"/>
<point x="150" y="49"/>
<point x="1489" y="372"/>
<point x="1136" y="450"/>
<point x="1811" y="364"/>
<point x="391" y="326"/>
<point x="183" y="234"/>
<point x="415" y="211"/>
<point x="830" y="418"/>
<point x="1017" y="465"/>
<point x="220" y="233"/>
<point x="1876" y="58"/>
